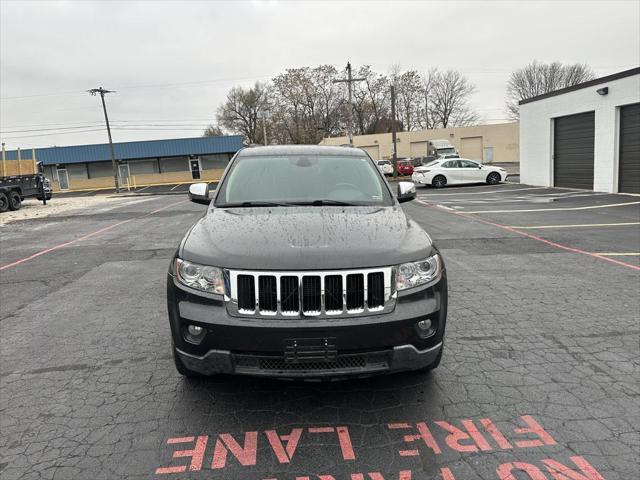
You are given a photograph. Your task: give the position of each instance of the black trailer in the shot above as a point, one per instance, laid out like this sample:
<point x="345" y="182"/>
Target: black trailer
<point x="14" y="189"/>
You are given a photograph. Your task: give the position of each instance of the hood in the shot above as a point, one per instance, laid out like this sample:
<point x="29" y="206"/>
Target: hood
<point x="305" y="238"/>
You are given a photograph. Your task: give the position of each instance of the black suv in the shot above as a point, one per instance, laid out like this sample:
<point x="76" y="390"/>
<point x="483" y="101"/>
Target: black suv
<point x="305" y="265"/>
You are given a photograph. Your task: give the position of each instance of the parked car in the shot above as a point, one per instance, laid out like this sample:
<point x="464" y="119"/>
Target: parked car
<point x="444" y="156"/>
<point x="305" y="265"/>
<point x="405" y="167"/>
<point x="420" y="161"/>
<point x="386" y="167"/>
<point x="442" y="172"/>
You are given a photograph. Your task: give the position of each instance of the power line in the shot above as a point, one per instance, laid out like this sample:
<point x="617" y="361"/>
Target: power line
<point x="116" y="125"/>
<point x="46" y="129"/>
<point x="140" y="120"/>
<point x="57" y="133"/>
<point x="132" y="87"/>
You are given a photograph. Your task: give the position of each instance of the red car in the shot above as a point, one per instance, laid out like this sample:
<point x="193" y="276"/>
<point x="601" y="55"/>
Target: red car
<point x="405" y="168"/>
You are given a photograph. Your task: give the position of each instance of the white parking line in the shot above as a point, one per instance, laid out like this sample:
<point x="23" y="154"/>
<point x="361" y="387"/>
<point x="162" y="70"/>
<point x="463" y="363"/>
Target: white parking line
<point x="583" y="225"/>
<point x="141" y="189"/>
<point x="629" y="254"/>
<point x="565" y="209"/>
<point x="484" y="192"/>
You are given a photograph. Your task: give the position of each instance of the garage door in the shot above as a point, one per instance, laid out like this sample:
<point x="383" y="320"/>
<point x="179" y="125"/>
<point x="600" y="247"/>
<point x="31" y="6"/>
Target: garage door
<point x="573" y="151"/>
<point x="372" y="150"/>
<point x="629" y="170"/>
<point x="471" y="147"/>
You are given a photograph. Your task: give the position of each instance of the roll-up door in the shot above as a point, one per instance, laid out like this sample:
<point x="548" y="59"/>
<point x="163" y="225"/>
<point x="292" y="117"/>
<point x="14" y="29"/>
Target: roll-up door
<point x="471" y="147"/>
<point x="573" y="151"/>
<point x="629" y="166"/>
<point x="372" y="150"/>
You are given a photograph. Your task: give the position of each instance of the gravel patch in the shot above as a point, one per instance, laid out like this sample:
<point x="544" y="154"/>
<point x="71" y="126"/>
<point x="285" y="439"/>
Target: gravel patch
<point x="32" y="208"/>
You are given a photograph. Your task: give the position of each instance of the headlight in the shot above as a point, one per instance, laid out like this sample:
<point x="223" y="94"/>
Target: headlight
<point x="418" y="273"/>
<point x="200" y="277"/>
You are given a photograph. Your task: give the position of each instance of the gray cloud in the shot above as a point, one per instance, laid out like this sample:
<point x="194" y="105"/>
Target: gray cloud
<point x="201" y="49"/>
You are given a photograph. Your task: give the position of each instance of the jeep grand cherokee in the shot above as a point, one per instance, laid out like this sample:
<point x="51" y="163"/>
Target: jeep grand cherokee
<point x="305" y="265"/>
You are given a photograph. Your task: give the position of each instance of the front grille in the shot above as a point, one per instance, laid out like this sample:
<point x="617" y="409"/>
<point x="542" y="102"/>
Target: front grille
<point x="375" y="282"/>
<point x="355" y="291"/>
<point x="267" y="294"/>
<point x="312" y="293"/>
<point x="290" y="298"/>
<point x="246" y="292"/>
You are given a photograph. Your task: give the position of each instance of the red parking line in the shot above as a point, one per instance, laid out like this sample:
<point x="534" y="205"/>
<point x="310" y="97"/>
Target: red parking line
<point x="531" y="236"/>
<point x="83" y="237"/>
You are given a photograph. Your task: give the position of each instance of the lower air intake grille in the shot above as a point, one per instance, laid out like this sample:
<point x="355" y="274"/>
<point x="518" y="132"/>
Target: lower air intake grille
<point x="346" y="362"/>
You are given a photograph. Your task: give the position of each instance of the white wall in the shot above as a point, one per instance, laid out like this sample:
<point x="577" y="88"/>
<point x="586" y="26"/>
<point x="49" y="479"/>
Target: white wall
<point x="536" y="131"/>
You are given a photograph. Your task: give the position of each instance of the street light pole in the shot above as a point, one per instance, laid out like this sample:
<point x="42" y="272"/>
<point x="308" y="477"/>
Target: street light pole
<point x="114" y="165"/>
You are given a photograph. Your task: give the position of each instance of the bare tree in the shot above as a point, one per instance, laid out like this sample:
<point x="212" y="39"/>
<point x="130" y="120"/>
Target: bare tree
<point x="371" y="100"/>
<point x="212" y="131"/>
<point x="426" y="119"/>
<point x="539" y="78"/>
<point x="307" y="104"/>
<point x="449" y="97"/>
<point x="240" y="112"/>
<point x="409" y="89"/>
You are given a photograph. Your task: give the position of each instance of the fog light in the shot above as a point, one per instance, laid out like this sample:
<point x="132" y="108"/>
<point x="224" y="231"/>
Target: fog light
<point x="424" y="325"/>
<point x="195" y="330"/>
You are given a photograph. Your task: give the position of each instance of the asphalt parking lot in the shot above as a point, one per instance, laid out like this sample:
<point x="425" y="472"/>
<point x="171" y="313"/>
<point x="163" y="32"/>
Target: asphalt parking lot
<point x="539" y="378"/>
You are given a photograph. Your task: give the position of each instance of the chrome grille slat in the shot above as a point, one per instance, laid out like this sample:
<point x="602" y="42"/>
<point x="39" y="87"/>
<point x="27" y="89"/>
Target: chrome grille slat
<point x="311" y="293"/>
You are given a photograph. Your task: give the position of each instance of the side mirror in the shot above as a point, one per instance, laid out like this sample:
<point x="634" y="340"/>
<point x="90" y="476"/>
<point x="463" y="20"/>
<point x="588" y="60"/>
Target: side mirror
<point x="406" y="191"/>
<point x="199" y="193"/>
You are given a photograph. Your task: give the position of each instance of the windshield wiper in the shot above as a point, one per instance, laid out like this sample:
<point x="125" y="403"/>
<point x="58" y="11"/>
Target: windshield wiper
<point x="256" y="203"/>
<point x="320" y="203"/>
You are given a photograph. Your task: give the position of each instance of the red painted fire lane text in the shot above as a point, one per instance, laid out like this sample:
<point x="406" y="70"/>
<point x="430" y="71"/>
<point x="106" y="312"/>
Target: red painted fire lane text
<point x="465" y="437"/>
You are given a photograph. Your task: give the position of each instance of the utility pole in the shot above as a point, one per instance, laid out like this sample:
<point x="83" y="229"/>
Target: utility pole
<point x="114" y="165"/>
<point x="349" y="81"/>
<point x="264" y="115"/>
<point x="393" y="132"/>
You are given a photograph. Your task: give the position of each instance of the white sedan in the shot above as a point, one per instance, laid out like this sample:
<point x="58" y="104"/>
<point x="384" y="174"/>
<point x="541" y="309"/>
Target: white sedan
<point x="443" y="172"/>
<point x="385" y="166"/>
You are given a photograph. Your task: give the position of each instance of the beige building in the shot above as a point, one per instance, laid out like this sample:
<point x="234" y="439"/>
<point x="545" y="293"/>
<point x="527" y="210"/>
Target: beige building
<point x="487" y="143"/>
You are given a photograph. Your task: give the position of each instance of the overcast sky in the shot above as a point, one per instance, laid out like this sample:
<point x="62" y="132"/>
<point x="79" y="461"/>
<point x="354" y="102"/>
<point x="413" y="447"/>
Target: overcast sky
<point x="172" y="62"/>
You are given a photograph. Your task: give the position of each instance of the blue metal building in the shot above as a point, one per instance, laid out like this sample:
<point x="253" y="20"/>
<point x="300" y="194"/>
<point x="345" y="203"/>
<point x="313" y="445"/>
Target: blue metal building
<point x="80" y="163"/>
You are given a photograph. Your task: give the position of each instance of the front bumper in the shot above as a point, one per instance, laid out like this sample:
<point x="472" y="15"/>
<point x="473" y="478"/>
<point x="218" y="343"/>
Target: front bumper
<point x="397" y="359"/>
<point x="349" y="346"/>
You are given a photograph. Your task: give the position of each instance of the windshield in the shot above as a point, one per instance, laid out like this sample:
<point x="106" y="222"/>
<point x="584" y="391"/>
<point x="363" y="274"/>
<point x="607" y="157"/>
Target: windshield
<point x="442" y="151"/>
<point x="302" y="179"/>
<point x="432" y="163"/>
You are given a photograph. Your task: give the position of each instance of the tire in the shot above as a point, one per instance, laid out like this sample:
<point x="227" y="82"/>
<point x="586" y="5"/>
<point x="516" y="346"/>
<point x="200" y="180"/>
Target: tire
<point x="4" y="202"/>
<point x="493" y="178"/>
<point x="180" y="367"/>
<point x="15" y="202"/>
<point x="439" y="181"/>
